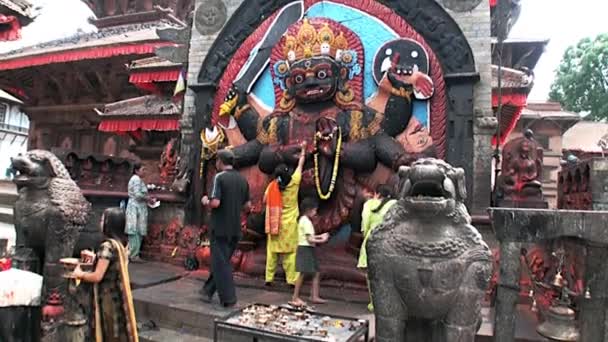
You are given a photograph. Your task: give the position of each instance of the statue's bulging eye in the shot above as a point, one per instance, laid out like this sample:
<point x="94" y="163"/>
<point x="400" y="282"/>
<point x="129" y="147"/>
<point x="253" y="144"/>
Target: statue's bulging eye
<point x="321" y="74"/>
<point x="299" y="79"/>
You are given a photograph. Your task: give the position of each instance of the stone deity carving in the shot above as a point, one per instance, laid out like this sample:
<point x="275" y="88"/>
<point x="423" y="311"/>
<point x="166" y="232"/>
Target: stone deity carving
<point x="519" y="183"/>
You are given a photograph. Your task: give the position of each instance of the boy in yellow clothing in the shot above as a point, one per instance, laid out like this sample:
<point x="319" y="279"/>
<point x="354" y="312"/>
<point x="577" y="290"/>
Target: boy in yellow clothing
<point x="283" y="244"/>
<point x="306" y="260"/>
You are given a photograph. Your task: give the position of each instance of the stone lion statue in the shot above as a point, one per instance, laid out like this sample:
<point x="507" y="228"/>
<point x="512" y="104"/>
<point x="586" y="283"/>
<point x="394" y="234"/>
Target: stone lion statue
<point x="50" y="212"/>
<point x="428" y="267"/>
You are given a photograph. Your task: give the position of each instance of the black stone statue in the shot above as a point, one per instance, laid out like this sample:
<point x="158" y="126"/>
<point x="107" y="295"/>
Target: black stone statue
<point x="50" y="212"/>
<point x="428" y="267"/>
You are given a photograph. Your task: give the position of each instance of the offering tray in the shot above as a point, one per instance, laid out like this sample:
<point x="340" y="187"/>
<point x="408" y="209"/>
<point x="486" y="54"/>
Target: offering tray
<point x="69" y="265"/>
<point x="279" y="323"/>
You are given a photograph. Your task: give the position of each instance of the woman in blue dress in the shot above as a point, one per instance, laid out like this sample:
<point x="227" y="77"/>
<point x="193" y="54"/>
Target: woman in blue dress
<point x="137" y="212"/>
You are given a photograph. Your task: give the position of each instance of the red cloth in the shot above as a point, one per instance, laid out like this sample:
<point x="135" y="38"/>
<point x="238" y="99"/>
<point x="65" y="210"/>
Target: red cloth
<point x="274" y="208"/>
<point x="135" y="125"/>
<point x="154" y="76"/>
<point x="517" y="100"/>
<point x="493" y="3"/>
<point x="5" y="264"/>
<point x="13" y="28"/>
<point x="95" y="52"/>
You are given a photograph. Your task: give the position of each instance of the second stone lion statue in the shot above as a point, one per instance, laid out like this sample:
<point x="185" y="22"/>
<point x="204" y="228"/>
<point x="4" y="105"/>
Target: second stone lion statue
<point x="428" y="267"/>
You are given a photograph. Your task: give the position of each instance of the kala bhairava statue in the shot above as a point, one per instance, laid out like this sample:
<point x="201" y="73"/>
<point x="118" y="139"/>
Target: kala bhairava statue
<point x="428" y="267"/>
<point x="50" y="212"/>
<point x="317" y="67"/>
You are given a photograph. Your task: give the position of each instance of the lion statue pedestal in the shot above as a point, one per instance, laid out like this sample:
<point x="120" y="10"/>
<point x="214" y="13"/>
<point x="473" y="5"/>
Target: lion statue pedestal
<point x="428" y="267"/>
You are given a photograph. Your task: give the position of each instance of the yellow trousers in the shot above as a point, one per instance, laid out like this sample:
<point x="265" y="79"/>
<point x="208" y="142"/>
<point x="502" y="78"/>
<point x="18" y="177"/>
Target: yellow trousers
<point x="289" y="266"/>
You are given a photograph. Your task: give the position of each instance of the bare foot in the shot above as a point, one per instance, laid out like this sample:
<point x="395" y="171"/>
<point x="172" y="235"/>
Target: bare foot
<point x="297" y="302"/>
<point x="318" y="300"/>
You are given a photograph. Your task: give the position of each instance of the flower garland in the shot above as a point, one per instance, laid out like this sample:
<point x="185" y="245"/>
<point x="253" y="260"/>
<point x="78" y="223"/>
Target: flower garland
<point x="334" y="174"/>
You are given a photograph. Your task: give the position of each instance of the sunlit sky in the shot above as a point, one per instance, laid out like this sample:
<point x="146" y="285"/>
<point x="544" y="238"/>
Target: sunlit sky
<point x="564" y="22"/>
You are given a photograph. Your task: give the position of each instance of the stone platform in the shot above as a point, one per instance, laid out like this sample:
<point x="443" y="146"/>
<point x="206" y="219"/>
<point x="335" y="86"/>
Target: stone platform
<point x="169" y="296"/>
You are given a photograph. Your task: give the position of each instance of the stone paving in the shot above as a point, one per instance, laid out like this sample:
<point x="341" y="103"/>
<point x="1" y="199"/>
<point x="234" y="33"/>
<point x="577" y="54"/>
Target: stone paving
<point x="169" y="296"/>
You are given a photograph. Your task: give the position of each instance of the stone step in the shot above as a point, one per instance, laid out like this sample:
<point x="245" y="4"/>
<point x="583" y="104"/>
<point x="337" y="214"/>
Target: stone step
<point x="6" y="214"/>
<point x="176" y="308"/>
<point x="166" y="335"/>
<point x="8" y="193"/>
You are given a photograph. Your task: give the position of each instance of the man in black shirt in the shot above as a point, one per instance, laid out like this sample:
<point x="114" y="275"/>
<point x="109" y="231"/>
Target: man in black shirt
<point x="229" y="197"/>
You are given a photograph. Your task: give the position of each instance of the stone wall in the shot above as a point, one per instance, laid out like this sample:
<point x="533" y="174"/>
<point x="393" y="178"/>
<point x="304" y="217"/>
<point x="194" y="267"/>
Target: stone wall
<point x="475" y="25"/>
<point x="199" y="45"/>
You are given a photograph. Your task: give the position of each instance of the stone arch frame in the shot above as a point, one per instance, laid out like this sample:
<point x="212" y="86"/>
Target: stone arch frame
<point x="427" y="17"/>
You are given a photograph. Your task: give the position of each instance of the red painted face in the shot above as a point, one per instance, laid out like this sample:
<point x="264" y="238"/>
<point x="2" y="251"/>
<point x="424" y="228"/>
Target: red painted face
<point x="313" y="80"/>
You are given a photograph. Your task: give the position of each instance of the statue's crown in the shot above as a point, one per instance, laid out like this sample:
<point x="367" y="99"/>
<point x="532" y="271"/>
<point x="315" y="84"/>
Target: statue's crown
<point x="311" y="41"/>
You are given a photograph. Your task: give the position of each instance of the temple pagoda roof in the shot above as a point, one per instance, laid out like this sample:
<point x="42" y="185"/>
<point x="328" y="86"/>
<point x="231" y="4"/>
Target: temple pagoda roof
<point x="22" y="8"/>
<point x="549" y="111"/>
<point x="521" y="52"/>
<point x="132" y="39"/>
<point x="153" y="63"/>
<point x="142" y="105"/>
<point x="584" y="136"/>
<point x="511" y="78"/>
<point x="146" y="113"/>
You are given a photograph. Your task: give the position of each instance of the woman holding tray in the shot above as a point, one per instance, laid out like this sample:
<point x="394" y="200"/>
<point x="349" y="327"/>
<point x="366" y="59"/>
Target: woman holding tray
<point x="113" y="302"/>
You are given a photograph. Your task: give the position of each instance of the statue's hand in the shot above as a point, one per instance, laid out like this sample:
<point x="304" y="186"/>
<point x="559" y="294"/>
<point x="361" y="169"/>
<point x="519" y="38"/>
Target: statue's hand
<point x="235" y="98"/>
<point x="326" y="148"/>
<point x="423" y="85"/>
<point x="291" y="153"/>
<point x="326" y="138"/>
<point x="411" y="79"/>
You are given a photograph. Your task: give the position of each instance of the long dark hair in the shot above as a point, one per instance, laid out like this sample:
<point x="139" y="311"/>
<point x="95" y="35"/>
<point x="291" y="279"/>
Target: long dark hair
<point x="282" y="175"/>
<point x="113" y="224"/>
<point x="386" y="193"/>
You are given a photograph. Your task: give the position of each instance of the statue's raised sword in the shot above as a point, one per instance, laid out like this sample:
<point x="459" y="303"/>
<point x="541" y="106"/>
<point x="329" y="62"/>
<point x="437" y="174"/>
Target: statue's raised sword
<point x="260" y="55"/>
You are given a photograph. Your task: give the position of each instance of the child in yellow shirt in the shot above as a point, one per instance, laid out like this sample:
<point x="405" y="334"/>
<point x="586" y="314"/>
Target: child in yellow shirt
<point x="306" y="260"/>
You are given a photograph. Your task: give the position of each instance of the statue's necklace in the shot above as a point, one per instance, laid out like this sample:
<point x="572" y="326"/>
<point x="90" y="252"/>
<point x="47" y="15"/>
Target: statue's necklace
<point x="334" y="175"/>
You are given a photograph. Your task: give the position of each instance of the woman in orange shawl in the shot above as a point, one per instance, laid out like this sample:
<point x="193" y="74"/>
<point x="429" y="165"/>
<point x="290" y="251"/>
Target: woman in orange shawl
<point x="113" y="301"/>
<point x="282" y="214"/>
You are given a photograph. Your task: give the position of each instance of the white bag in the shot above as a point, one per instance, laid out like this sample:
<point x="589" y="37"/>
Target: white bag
<point x="20" y="288"/>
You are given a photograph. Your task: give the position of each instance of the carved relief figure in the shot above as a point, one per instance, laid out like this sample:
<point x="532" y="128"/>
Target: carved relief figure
<point x="50" y="212"/>
<point x="168" y="161"/>
<point x="428" y="267"/>
<point x="317" y="69"/>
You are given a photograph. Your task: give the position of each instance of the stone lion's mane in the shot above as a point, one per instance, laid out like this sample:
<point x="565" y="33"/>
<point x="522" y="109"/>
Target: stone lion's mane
<point x="63" y="191"/>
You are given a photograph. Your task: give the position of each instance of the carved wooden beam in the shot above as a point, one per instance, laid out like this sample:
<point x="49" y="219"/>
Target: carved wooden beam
<point x="61" y="89"/>
<point x="83" y="81"/>
<point x="107" y="92"/>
